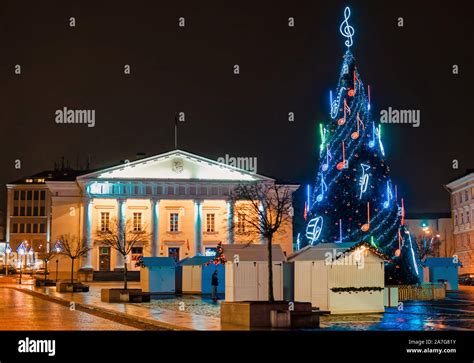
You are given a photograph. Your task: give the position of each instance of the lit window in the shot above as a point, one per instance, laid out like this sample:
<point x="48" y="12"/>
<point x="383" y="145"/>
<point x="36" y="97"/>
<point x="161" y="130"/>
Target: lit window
<point x="174" y="227"/>
<point x="210" y="222"/>
<point x="29" y="180"/>
<point x="104" y="221"/>
<point x="241" y="223"/>
<point x="137" y="222"/>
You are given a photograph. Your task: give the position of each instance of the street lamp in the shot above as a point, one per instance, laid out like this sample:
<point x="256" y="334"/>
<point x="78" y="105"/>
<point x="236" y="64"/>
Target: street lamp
<point x="21" y="251"/>
<point x="8" y="250"/>
<point x="31" y="263"/>
<point x="58" y="249"/>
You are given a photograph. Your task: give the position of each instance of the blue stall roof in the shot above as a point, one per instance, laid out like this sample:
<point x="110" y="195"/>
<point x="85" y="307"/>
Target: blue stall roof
<point x="159" y="262"/>
<point x="196" y="260"/>
<point x="441" y="262"/>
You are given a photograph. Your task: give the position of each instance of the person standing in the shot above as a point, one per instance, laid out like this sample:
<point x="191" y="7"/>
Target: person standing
<point x="214" y="284"/>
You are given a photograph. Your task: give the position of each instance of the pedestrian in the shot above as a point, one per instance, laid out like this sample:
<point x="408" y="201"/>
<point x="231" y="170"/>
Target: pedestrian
<point x="214" y="283"/>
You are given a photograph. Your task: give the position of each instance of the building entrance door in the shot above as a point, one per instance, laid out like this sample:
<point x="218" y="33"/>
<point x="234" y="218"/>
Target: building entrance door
<point x="173" y="252"/>
<point x="104" y="258"/>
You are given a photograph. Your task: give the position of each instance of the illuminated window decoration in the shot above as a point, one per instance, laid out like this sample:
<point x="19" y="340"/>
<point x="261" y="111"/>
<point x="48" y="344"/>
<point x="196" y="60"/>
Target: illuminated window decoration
<point x="364" y="179"/>
<point x="324" y="188"/>
<point x="313" y="229"/>
<point x="346" y="30"/>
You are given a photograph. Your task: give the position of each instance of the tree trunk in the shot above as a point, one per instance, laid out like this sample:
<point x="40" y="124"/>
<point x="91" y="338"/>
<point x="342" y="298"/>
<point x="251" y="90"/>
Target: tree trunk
<point x="125" y="272"/>
<point x="45" y="269"/>
<point x="72" y="270"/>
<point x="270" y="270"/>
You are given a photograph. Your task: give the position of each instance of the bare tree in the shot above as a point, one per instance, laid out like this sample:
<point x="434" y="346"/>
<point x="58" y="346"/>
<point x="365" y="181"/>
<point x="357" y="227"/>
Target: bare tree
<point x="73" y="248"/>
<point x="122" y="238"/>
<point x="263" y="208"/>
<point x="46" y="253"/>
<point x="427" y="246"/>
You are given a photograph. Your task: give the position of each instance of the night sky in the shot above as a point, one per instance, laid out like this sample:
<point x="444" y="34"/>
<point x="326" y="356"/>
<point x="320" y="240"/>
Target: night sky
<point x="190" y="70"/>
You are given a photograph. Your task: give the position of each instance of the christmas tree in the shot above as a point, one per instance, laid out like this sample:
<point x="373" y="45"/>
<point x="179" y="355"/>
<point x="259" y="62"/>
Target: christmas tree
<point x="354" y="199"/>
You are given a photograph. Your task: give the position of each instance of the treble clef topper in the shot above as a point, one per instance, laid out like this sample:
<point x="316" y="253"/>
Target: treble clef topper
<point x="345" y="29"/>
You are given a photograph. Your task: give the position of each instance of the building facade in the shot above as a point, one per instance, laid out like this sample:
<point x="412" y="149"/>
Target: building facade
<point x="436" y="229"/>
<point x="462" y="209"/>
<point x="180" y="200"/>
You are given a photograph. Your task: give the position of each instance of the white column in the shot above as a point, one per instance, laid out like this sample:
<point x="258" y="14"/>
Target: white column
<point x="121" y="229"/>
<point x="87" y="232"/>
<point x="155" y="224"/>
<point x="230" y="221"/>
<point x="197" y="226"/>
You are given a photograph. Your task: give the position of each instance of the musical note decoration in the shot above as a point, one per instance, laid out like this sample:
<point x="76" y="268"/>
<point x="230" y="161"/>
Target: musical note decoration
<point x="347" y="30"/>
<point x="324" y="187"/>
<point x="364" y="179"/>
<point x="389" y="195"/>
<point x="372" y="142"/>
<point x="340" y="231"/>
<point x="366" y="227"/>
<point x="355" y="135"/>
<point x="341" y="165"/>
<point x="325" y="166"/>
<point x="313" y="229"/>
<point x="352" y="91"/>
<point x="342" y="120"/>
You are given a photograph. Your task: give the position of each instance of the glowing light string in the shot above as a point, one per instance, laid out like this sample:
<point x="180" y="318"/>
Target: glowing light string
<point x="346" y="30"/>
<point x="380" y="139"/>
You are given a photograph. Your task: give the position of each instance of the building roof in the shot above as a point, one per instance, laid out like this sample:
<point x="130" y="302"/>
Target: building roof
<point x="196" y="260"/>
<point x="336" y="250"/>
<point x="159" y="262"/>
<point x="453" y="184"/>
<point x="253" y="252"/>
<point x="51" y="175"/>
<point x="441" y="262"/>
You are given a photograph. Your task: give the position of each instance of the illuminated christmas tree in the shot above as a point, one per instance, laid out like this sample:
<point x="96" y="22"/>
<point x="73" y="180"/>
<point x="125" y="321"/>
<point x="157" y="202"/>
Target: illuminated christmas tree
<point x="354" y="198"/>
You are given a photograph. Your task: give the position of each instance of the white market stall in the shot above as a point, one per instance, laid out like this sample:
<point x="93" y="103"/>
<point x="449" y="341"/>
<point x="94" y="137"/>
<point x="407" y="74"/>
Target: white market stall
<point x="246" y="272"/>
<point x="196" y="276"/>
<point x="157" y="275"/>
<point x="343" y="278"/>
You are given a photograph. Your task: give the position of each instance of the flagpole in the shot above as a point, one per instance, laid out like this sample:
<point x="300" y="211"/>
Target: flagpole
<point x="176" y="131"/>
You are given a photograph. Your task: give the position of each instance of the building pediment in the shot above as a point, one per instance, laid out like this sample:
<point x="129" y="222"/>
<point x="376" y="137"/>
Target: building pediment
<point x="175" y="165"/>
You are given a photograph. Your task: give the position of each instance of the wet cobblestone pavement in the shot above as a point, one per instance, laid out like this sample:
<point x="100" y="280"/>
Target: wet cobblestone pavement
<point x="21" y="311"/>
<point x="456" y="312"/>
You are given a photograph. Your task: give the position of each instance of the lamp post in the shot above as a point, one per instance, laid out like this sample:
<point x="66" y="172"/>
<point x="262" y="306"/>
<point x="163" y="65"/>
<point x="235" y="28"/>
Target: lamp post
<point x="8" y="250"/>
<point x="21" y="251"/>
<point x="31" y="263"/>
<point x="58" y="250"/>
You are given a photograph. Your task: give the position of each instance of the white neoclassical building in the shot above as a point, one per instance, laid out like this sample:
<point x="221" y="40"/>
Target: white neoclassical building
<point x="178" y="198"/>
